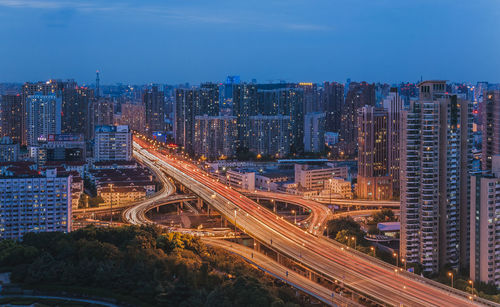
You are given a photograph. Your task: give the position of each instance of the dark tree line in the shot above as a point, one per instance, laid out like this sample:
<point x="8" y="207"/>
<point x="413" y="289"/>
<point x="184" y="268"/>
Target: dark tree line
<point x="141" y="263"/>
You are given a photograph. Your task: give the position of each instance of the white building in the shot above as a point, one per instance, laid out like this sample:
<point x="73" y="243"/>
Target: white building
<point x="30" y="202"/>
<point x="44" y="117"/>
<point x="112" y="143"/>
<point x="337" y="188"/>
<point x="435" y="160"/>
<point x="315" y="177"/>
<point x="314" y="132"/>
<point x="241" y="179"/>
<point x="485" y="226"/>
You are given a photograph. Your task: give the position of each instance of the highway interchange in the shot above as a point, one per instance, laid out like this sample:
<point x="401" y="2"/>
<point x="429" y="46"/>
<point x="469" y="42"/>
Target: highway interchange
<point x="366" y="275"/>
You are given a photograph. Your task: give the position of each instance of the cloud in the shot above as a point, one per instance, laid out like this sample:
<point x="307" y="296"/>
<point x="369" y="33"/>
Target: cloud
<point x="191" y="15"/>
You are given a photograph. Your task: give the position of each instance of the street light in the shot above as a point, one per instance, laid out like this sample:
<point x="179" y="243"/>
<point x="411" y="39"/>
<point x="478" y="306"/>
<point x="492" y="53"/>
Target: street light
<point x="373" y="250"/>
<point x="404" y="262"/>
<point x="450" y="274"/>
<point x="471" y="282"/>
<point x="111" y="204"/>
<point x="397" y="259"/>
<point x="354" y="238"/>
<point x="295" y="216"/>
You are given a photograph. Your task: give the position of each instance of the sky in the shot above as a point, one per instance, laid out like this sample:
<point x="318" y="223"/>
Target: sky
<point x="164" y="41"/>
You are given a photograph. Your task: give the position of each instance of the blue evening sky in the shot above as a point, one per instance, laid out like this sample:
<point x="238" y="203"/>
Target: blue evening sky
<point x="294" y="40"/>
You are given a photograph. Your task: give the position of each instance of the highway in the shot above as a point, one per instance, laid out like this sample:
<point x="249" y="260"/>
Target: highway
<point x="135" y="214"/>
<point x="277" y="270"/>
<point x="320" y="214"/>
<point x="367" y="275"/>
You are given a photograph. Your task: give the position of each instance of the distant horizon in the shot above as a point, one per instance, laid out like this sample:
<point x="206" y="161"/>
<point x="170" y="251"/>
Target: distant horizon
<point x="222" y="81"/>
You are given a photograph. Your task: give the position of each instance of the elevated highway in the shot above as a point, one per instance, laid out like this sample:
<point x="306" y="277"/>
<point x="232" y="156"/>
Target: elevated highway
<point x="363" y="274"/>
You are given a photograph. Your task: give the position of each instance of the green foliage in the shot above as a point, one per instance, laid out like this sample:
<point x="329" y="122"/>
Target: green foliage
<point x="170" y="269"/>
<point x="384" y="215"/>
<point x="348" y="227"/>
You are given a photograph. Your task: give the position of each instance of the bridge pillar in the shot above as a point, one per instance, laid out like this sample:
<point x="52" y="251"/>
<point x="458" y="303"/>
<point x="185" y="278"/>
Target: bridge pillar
<point x="199" y="204"/>
<point x="256" y="246"/>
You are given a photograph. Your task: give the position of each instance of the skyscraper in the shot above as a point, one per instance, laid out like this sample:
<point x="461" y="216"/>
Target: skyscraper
<point x="393" y="103"/>
<point x="76" y="103"/>
<point x="214" y="136"/>
<point x="333" y="103"/>
<point x="490" y="128"/>
<point x="359" y="95"/>
<point x="12" y="117"/>
<point x="244" y="106"/>
<point x="186" y="105"/>
<point x="435" y="159"/>
<point x="314" y="132"/>
<point x="51" y="87"/>
<point x="154" y="102"/>
<point x="373" y="173"/>
<point x="270" y="135"/>
<point x="44" y="117"/>
<point x="485" y="225"/>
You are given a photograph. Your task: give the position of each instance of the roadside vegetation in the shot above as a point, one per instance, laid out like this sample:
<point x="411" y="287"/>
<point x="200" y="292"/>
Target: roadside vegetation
<point x="140" y="266"/>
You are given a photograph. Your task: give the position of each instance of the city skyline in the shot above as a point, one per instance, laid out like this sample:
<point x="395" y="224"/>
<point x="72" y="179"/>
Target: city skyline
<point x="294" y="41"/>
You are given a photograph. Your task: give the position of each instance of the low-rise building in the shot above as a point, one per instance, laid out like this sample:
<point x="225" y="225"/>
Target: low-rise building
<point x="271" y="180"/>
<point x="241" y="179"/>
<point x="118" y="196"/>
<point x="315" y="177"/>
<point x="338" y="188"/>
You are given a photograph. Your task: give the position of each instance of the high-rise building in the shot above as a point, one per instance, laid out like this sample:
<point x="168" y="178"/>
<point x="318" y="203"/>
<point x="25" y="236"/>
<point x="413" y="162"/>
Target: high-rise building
<point x="214" y="136"/>
<point x="287" y="101"/>
<point x="12" y="117"/>
<point x="244" y="105"/>
<point x="485" y="225"/>
<point x="373" y="174"/>
<point x="314" y="132"/>
<point x="333" y="103"/>
<point x="76" y="103"/>
<point x="186" y="106"/>
<point x="33" y="202"/>
<point x="490" y="112"/>
<point x="270" y="135"/>
<point x="51" y="87"/>
<point x="359" y="95"/>
<point x="435" y="160"/>
<point x="154" y="102"/>
<point x="133" y="115"/>
<point x="9" y="151"/>
<point x="393" y="103"/>
<point x="44" y="117"/>
<point x="209" y="100"/>
<point x="112" y="143"/>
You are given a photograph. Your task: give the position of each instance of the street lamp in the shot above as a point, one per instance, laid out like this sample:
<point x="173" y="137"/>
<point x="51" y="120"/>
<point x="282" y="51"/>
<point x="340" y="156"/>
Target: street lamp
<point x="471" y="282"/>
<point x="404" y="262"/>
<point x="235" y="222"/>
<point x="397" y="259"/>
<point x="111" y="204"/>
<point x="450" y="274"/>
<point x="373" y="250"/>
<point x="354" y="238"/>
<point x="295" y="216"/>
